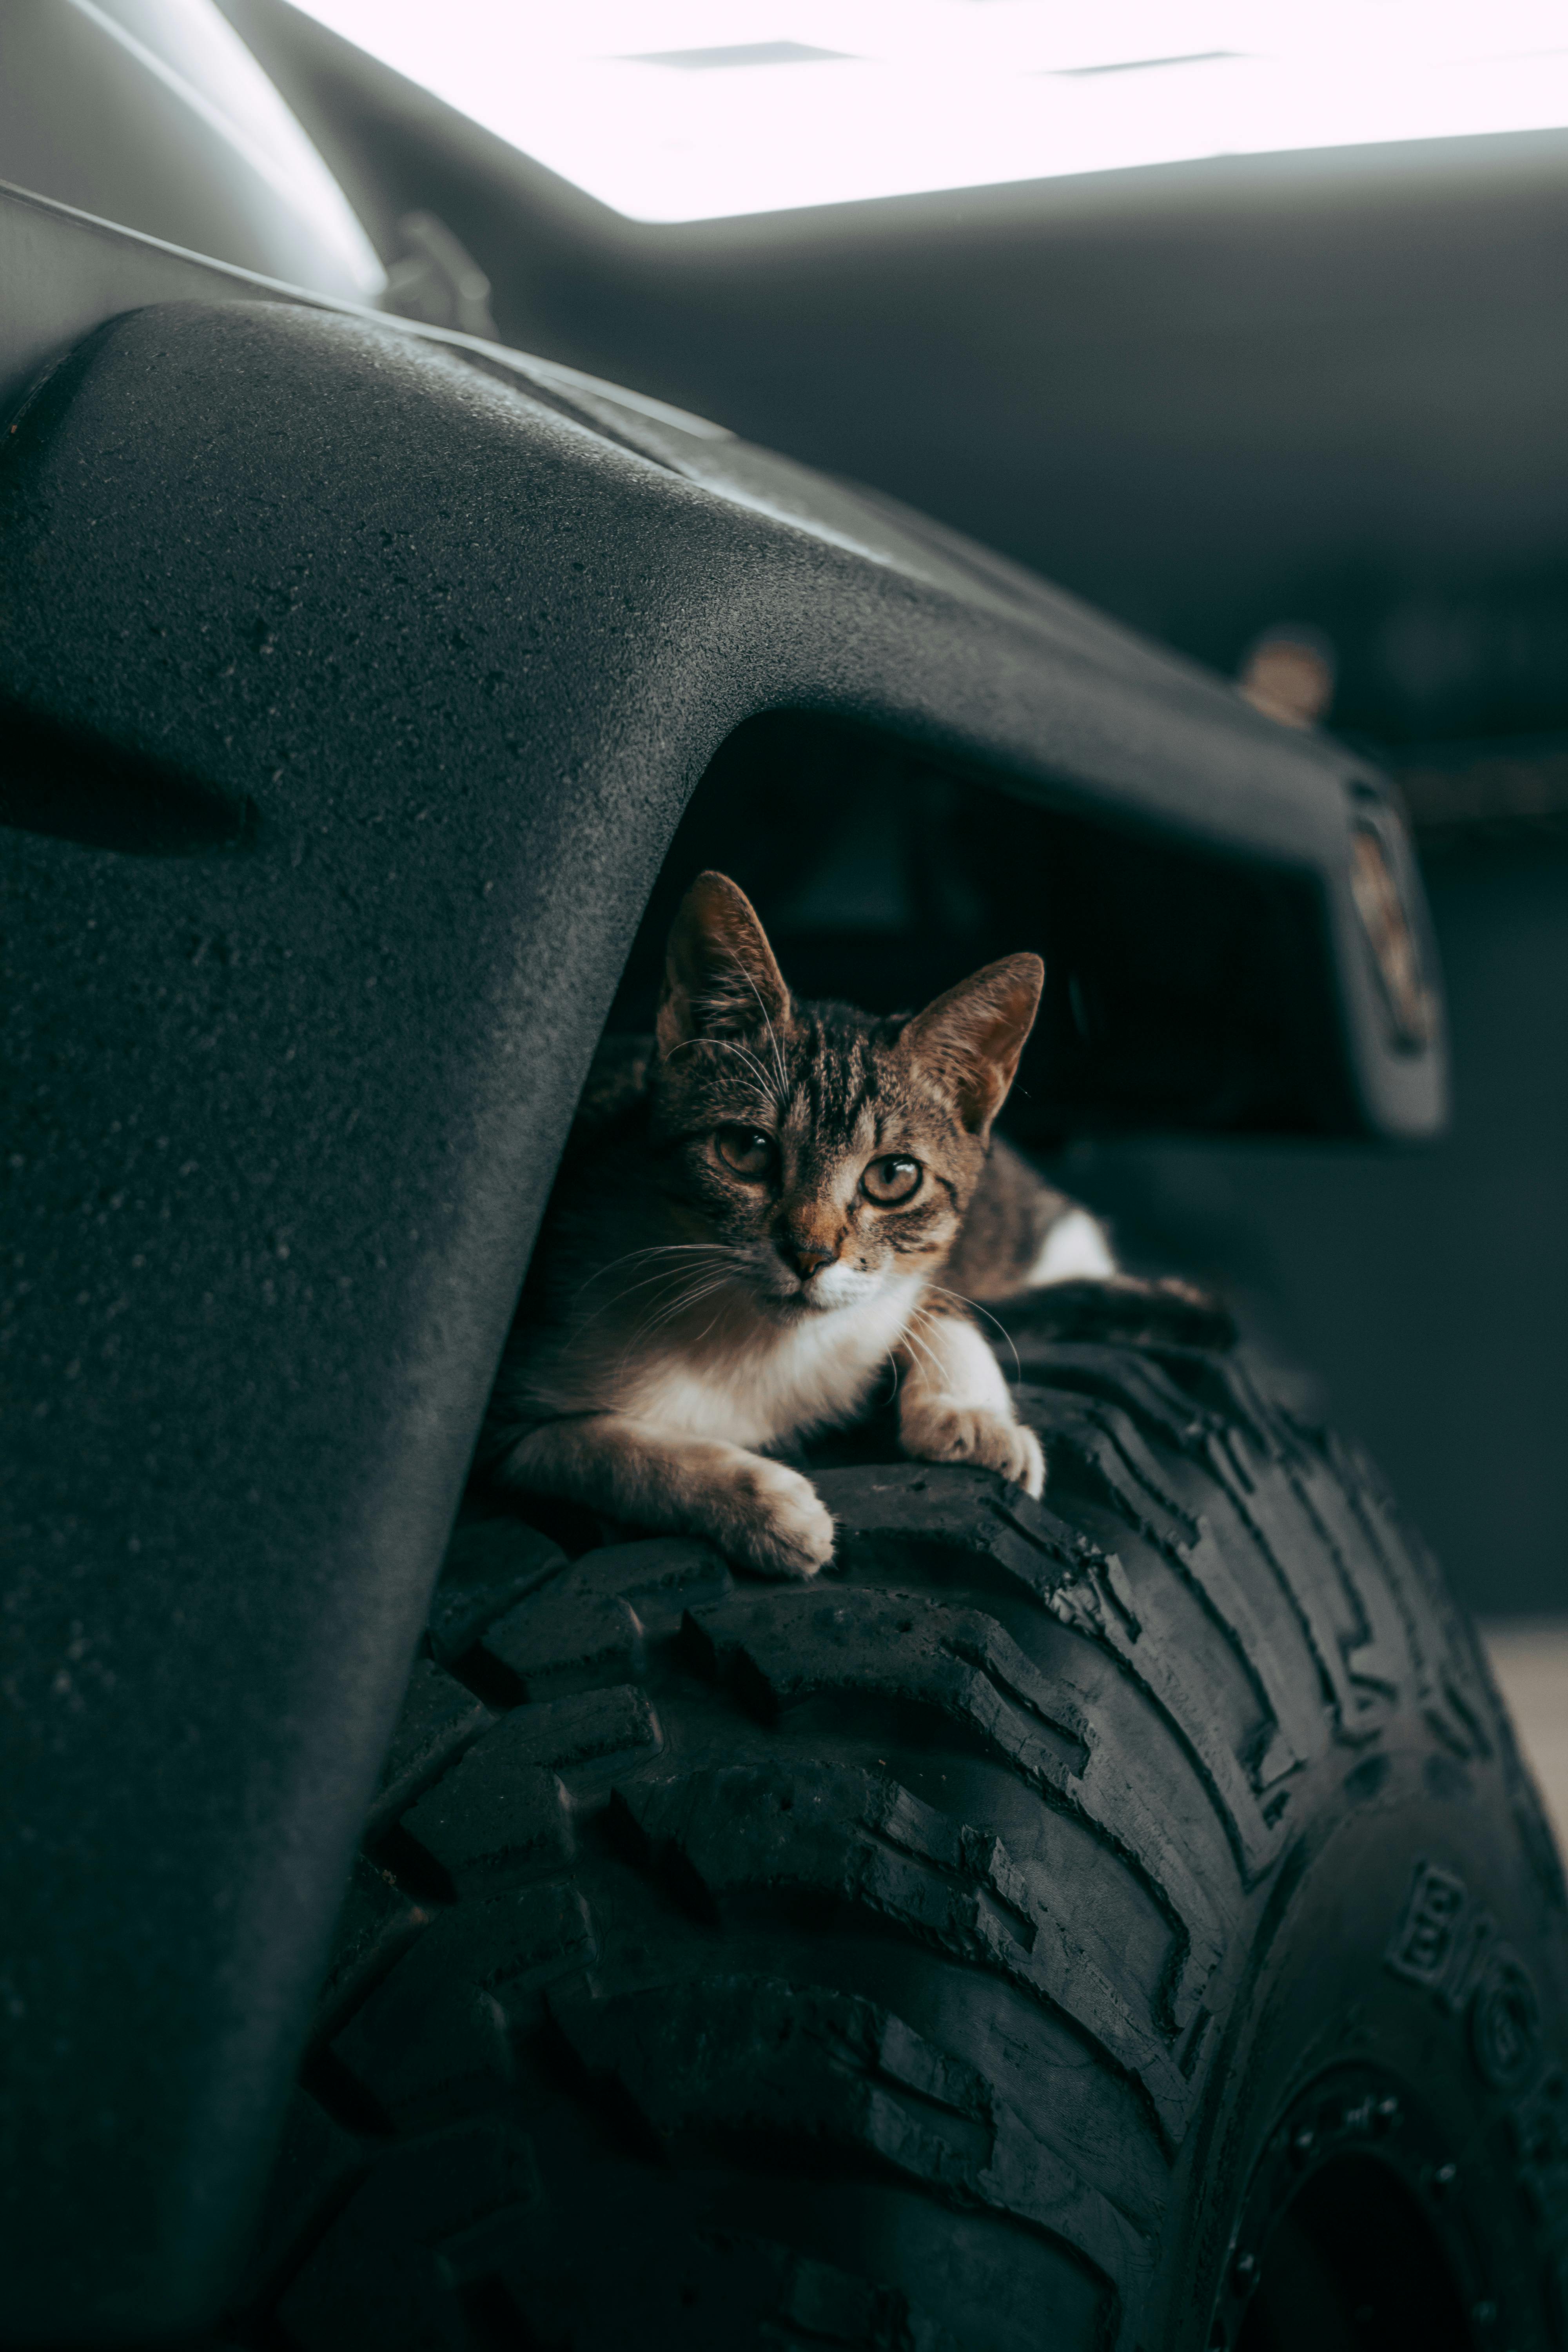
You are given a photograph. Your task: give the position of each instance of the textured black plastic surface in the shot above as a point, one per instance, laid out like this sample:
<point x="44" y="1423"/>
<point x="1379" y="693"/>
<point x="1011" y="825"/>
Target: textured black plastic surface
<point x="409" y="674"/>
<point x="276" y="1118"/>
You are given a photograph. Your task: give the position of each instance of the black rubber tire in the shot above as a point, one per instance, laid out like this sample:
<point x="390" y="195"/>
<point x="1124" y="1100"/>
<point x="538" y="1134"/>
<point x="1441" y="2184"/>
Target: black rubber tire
<point x="981" y="1948"/>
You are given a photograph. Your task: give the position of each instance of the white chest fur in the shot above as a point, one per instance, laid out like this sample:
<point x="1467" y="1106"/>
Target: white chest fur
<point x="756" y="1387"/>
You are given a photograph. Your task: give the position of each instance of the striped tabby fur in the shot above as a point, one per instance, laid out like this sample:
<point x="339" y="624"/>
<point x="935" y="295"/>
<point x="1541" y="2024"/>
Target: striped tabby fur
<point x="760" y="1209"/>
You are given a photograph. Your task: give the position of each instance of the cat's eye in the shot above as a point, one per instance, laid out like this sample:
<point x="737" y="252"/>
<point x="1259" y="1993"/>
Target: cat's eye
<point x="891" y="1179"/>
<point x="746" y="1149"/>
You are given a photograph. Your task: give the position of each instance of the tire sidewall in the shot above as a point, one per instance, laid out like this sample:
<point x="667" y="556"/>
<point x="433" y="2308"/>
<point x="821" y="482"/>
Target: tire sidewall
<point x="1392" y="1950"/>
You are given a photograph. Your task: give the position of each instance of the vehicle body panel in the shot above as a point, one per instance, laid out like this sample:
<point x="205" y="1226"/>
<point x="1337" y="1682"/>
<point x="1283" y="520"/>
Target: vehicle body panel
<point x="370" y="671"/>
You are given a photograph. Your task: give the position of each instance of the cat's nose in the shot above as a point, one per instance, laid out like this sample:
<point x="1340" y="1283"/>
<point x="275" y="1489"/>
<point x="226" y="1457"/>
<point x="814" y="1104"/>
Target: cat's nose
<point x="807" y="1257"/>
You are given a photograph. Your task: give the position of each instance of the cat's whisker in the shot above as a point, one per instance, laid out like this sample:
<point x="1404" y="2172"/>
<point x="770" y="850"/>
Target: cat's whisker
<point x="779" y="1068"/>
<point x="660" y="1311"/>
<point x="658" y="1249"/>
<point x="669" y="1312"/>
<point x="670" y="1275"/>
<point x="598" y="1275"/>
<point x="974" y="1307"/>
<point x="730" y="1045"/>
<point x="669" y="1309"/>
<point x="703" y="1333"/>
<point x="665" y="1275"/>
<point x="704" y="1249"/>
<point x="923" y="1352"/>
<point x="707" y="1249"/>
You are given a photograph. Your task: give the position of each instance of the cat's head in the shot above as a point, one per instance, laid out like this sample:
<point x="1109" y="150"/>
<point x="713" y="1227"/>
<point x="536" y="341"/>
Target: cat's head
<point x="832" y="1152"/>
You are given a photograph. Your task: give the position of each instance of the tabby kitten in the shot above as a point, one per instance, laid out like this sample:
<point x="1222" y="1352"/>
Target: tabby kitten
<point x="752" y="1222"/>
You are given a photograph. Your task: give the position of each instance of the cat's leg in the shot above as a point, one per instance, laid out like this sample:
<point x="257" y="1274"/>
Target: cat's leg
<point x="954" y="1405"/>
<point x="758" y="1512"/>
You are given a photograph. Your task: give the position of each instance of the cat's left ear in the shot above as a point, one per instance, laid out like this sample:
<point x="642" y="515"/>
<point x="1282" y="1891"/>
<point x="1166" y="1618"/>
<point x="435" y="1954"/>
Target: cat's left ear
<point x="720" y="976"/>
<point x="970" y="1039"/>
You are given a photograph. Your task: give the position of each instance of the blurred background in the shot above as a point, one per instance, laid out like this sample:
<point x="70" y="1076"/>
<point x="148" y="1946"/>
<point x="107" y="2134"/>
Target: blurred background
<point x="1246" y="322"/>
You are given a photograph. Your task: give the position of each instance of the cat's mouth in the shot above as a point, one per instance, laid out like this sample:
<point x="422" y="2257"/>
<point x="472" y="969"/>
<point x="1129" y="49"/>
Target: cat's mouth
<point x="819" y="1296"/>
<point x="787" y="1306"/>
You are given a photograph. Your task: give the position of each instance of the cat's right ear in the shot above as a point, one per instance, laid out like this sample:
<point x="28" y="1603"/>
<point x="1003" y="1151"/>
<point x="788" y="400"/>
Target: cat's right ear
<point x="720" y="976"/>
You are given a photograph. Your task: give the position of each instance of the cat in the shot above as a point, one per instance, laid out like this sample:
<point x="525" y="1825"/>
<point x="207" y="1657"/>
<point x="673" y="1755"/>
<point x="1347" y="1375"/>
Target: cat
<point x="760" y="1209"/>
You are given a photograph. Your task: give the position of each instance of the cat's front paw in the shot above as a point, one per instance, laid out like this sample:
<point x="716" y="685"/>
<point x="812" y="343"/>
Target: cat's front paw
<point x="776" y="1522"/>
<point x="946" y="1429"/>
